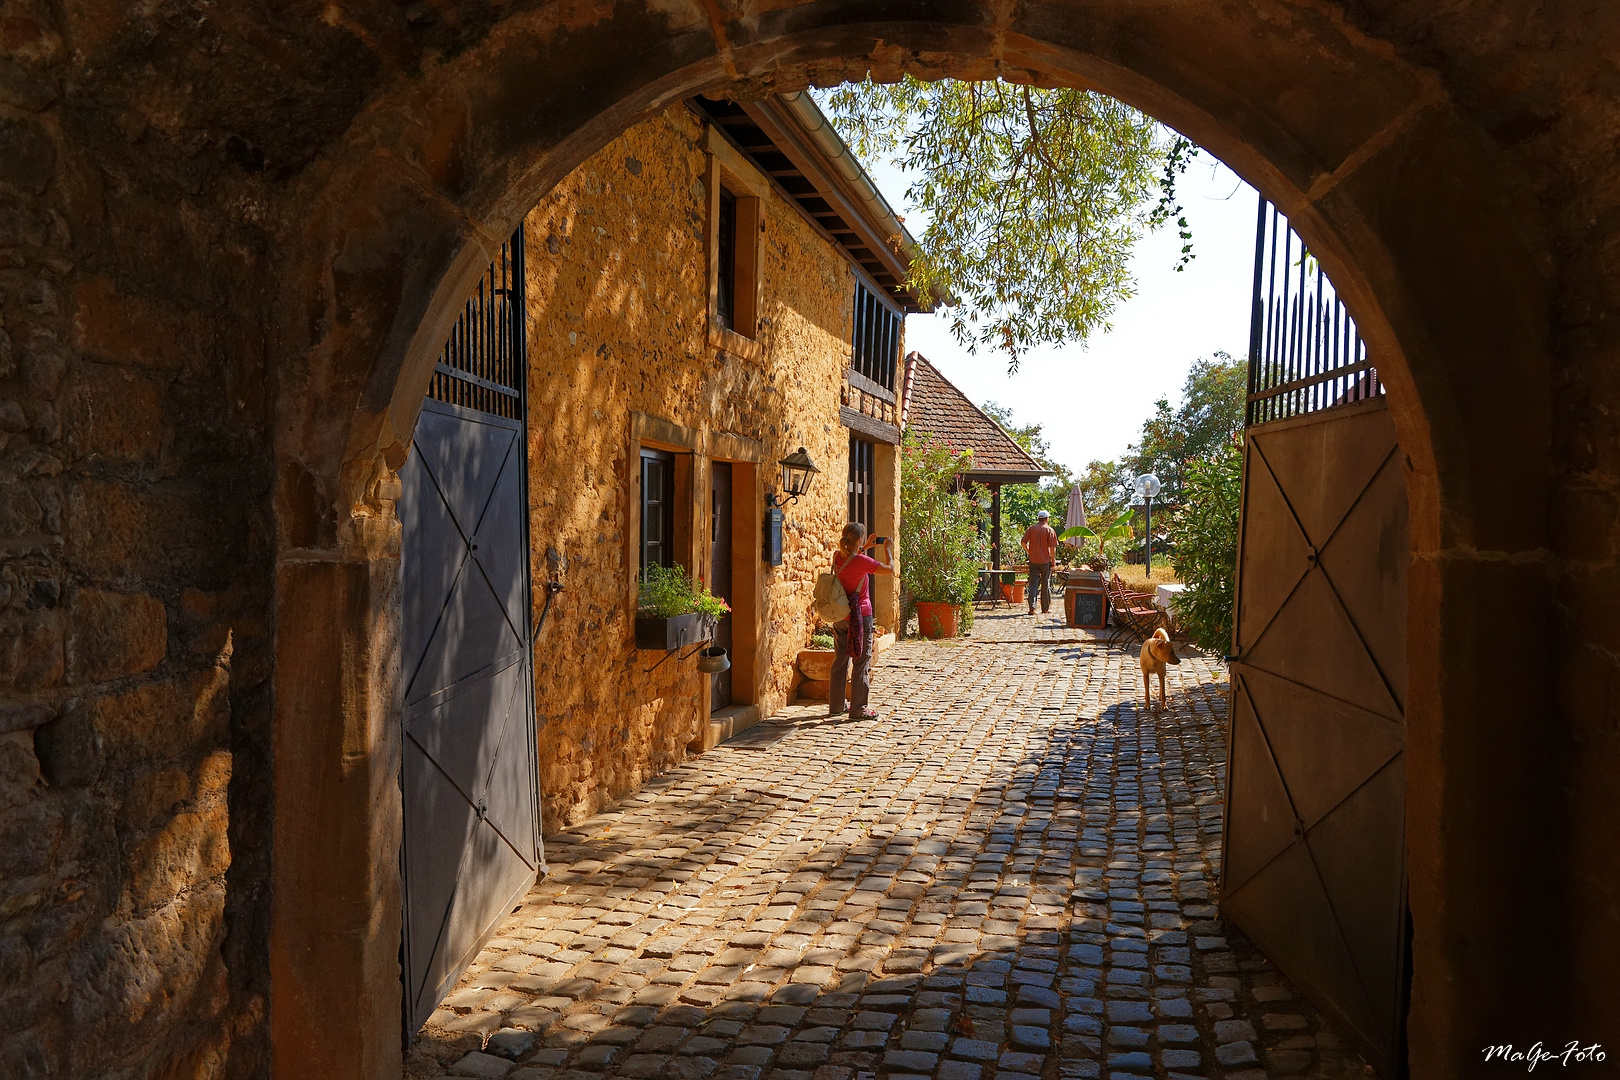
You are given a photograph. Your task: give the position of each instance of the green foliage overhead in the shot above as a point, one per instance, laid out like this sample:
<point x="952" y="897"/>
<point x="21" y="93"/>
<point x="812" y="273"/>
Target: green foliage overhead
<point x="941" y="548"/>
<point x="1034" y="199"/>
<point x="1206" y="535"/>
<point x="668" y="591"/>
<point x="1210" y="415"/>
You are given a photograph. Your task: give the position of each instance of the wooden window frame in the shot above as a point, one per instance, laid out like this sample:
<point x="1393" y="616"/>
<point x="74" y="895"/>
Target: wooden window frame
<point x="727" y="171"/>
<point x="877" y="323"/>
<point x="667" y="502"/>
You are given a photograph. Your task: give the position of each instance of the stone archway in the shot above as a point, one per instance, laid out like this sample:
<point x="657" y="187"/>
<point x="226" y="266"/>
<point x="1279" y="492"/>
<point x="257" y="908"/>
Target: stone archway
<point x="331" y="185"/>
<point x="1395" y="189"/>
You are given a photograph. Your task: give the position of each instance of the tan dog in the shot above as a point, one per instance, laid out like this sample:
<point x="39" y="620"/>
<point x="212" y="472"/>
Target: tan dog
<point x="1156" y="653"/>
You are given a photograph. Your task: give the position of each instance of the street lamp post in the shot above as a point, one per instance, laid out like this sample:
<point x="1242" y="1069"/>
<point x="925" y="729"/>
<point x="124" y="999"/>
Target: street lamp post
<point x="1147" y="486"/>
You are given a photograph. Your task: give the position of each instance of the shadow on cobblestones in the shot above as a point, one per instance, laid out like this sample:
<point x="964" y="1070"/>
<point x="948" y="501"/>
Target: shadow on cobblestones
<point x="1010" y="874"/>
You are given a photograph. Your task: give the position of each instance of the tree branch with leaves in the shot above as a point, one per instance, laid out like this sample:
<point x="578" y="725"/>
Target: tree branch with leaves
<point x="1034" y="199"/>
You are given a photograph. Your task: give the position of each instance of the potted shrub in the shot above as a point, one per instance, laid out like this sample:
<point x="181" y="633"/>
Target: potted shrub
<point x="673" y="611"/>
<point x="815" y="660"/>
<point x="941" y="548"/>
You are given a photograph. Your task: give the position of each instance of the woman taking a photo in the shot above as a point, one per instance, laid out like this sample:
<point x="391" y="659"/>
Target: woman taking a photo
<point x="852" y="638"/>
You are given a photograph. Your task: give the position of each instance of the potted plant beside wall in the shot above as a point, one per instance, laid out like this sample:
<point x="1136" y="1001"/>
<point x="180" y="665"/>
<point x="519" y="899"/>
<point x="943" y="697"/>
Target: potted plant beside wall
<point x="815" y="665"/>
<point x="673" y="611"/>
<point x="941" y="547"/>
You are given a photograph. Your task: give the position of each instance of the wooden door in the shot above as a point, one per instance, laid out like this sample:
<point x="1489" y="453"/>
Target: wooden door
<point x="1315" y="856"/>
<point x="720" y="572"/>
<point x="468" y="779"/>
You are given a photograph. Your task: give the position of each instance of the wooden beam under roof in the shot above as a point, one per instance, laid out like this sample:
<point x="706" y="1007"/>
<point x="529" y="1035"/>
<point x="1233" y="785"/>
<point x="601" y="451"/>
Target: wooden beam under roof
<point x="769" y="134"/>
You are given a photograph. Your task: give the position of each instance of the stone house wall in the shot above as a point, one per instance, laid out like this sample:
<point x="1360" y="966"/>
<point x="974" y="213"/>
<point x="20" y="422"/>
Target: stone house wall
<point x="618" y="326"/>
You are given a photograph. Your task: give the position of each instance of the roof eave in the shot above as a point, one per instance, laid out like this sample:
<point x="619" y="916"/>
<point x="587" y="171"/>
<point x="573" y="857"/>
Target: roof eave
<point x="1005" y="476"/>
<point x="799" y="129"/>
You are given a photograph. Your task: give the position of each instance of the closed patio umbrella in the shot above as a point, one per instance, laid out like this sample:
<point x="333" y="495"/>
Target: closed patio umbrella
<point x="1076" y="517"/>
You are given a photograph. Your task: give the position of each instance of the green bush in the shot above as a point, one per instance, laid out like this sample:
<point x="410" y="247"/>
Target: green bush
<point x="1206" y="538"/>
<point x="668" y="591"/>
<point x="941" y="548"/>
<point x="821" y="641"/>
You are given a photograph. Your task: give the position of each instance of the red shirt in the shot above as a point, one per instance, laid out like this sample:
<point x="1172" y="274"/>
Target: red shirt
<point x="1041" y="540"/>
<point x="852" y="576"/>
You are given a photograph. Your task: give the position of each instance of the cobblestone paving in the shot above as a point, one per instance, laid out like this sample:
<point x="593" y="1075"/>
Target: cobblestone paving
<point x="1009" y="875"/>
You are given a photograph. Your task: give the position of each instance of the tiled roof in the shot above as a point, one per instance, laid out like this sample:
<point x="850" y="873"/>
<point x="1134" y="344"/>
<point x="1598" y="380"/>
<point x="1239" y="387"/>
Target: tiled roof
<point x="933" y="404"/>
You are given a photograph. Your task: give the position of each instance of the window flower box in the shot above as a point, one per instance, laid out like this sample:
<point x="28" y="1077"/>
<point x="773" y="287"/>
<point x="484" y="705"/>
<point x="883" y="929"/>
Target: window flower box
<point x="674" y="631"/>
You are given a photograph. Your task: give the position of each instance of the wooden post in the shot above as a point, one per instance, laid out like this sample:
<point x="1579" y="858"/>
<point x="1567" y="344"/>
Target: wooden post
<point x="995" y="529"/>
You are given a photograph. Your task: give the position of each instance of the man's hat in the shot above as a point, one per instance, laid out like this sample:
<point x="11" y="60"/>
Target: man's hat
<point x="1044" y="514"/>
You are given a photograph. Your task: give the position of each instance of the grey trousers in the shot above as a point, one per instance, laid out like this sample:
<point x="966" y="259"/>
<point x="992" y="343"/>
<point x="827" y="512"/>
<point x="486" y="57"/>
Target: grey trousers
<point x="1040" y="574"/>
<point x="860" y="687"/>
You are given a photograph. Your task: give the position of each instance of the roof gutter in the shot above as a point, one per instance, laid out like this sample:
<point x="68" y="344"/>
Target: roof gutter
<point x="803" y="107"/>
<point x="798" y="117"/>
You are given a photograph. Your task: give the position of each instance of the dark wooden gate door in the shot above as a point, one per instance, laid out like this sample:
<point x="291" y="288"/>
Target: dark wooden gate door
<point x="1314" y="868"/>
<point x="720" y="571"/>
<point x="469" y="778"/>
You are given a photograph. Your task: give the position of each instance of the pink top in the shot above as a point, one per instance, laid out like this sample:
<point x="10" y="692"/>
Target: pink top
<point x="852" y="576"/>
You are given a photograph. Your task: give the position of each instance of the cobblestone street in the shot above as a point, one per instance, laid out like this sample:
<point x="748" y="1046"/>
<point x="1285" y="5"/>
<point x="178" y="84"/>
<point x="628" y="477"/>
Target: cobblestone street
<point x="1010" y="874"/>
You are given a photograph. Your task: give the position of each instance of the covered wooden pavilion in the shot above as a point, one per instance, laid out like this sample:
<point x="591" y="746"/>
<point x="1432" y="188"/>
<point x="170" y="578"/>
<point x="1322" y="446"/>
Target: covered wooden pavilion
<point x="930" y="403"/>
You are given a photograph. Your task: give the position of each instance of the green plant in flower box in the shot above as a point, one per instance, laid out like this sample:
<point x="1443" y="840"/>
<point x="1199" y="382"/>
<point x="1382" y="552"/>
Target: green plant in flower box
<point x="668" y="591"/>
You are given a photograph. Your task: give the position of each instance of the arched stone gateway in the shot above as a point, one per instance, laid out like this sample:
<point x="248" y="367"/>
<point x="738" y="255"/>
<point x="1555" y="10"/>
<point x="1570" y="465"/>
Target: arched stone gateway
<point x="233" y="240"/>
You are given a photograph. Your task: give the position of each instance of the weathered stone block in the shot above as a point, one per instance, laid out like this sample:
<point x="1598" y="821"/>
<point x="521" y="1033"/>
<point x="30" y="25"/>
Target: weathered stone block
<point x="27" y="156"/>
<point x="190" y="850"/>
<point x="113" y="413"/>
<point x="32" y="658"/>
<point x="19" y="769"/>
<point x="111" y="634"/>
<point x="164" y="720"/>
<point x="121" y="329"/>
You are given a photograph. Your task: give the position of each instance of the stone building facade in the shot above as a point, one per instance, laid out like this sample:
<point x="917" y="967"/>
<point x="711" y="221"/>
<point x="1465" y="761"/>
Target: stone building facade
<point x="626" y="354"/>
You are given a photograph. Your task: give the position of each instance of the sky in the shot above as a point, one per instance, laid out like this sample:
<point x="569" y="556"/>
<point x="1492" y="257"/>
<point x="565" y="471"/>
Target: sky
<point x="1091" y="400"/>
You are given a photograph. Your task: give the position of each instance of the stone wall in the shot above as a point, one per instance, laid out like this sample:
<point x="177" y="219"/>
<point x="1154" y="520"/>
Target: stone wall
<point x="135" y="547"/>
<point x="618" y="325"/>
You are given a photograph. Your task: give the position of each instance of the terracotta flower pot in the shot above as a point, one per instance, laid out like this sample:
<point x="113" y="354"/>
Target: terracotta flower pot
<point x="1014" y="593"/>
<point x="937" y="620"/>
<point x="816" y="664"/>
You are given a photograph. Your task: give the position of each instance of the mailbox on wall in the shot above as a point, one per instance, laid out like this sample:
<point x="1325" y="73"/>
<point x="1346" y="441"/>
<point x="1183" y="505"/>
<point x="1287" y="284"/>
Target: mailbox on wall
<point x="772" y="546"/>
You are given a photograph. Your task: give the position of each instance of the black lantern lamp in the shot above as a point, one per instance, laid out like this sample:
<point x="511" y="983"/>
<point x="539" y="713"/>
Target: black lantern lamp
<point x="797" y="473"/>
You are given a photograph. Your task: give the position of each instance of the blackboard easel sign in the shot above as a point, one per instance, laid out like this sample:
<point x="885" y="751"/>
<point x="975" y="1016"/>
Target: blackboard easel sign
<point x="1090" y="609"/>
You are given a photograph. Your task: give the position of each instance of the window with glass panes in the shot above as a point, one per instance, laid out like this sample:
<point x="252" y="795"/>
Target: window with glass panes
<point x="657" y="509"/>
<point x="876" y="340"/>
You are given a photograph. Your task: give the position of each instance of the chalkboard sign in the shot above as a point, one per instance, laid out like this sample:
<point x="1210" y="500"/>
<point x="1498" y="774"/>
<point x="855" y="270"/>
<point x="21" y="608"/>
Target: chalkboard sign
<point x="1090" y="609"/>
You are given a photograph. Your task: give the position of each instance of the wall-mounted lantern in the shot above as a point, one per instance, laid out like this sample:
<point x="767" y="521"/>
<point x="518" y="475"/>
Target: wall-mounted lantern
<point x="798" y="471"/>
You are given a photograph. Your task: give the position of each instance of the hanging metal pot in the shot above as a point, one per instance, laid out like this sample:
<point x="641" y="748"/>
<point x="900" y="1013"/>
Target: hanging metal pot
<point x="713" y="660"/>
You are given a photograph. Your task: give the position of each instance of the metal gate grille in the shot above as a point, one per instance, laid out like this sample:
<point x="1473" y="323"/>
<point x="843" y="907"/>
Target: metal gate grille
<point x="1314" y="856"/>
<point x="469" y="782"/>
<point x="1305" y="353"/>
<point x="482" y="366"/>
<point x="861" y="482"/>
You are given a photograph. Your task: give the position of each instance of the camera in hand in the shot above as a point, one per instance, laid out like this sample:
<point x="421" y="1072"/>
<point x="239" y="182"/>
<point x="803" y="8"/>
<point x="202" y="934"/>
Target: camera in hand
<point x="880" y="539"/>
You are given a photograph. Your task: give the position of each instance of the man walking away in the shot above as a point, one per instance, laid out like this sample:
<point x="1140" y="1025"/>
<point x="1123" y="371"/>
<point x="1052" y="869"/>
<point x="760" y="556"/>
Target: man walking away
<point x="1040" y="544"/>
